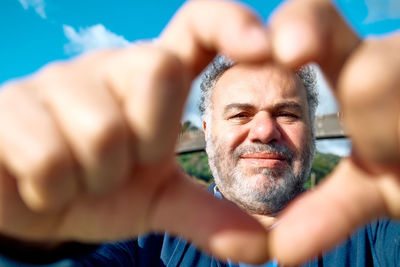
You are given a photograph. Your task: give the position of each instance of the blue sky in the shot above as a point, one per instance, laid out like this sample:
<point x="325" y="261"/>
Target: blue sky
<point x="35" y="32"/>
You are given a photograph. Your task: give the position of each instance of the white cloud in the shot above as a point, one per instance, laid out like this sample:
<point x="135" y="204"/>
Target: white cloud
<point x="379" y="10"/>
<point x="38" y="6"/>
<point x="91" y="38"/>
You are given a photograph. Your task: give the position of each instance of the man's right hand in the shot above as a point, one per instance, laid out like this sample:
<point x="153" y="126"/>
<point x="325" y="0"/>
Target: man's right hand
<point x="365" y="79"/>
<point x="87" y="146"/>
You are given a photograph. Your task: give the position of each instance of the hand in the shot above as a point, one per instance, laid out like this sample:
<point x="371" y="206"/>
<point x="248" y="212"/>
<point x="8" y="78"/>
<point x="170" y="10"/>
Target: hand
<point x="365" y="77"/>
<point x="87" y="146"/>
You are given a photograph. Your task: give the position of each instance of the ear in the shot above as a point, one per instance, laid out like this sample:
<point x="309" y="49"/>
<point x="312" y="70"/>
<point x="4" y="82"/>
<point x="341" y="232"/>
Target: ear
<point x="205" y="130"/>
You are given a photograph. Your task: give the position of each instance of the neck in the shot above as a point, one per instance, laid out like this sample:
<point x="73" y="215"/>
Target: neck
<point x="266" y="220"/>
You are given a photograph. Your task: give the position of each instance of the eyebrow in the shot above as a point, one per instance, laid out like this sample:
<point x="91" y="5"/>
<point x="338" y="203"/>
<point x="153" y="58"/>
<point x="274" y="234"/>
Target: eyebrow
<point x="279" y="106"/>
<point x="241" y="106"/>
<point x="288" y="105"/>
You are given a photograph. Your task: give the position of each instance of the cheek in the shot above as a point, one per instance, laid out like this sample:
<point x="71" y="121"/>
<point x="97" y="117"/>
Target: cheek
<point x="298" y="136"/>
<point x="299" y="140"/>
<point x="230" y="138"/>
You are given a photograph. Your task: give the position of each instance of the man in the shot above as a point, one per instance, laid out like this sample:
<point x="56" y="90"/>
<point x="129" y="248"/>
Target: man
<point x="258" y="121"/>
<point x="67" y="170"/>
<point x="260" y="140"/>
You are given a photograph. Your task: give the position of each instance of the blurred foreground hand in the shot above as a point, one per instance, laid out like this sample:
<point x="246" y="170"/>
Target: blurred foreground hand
<point x="365" y="76"/>
<point x="87" y="146"/>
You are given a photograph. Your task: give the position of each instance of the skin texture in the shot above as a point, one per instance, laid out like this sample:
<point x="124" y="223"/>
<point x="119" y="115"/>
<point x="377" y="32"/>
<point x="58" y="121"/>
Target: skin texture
<point x="364" y="76"/>
<point x="64" y="130"/>
<point x="259" y="137"/>
<point x="93" y="138"/>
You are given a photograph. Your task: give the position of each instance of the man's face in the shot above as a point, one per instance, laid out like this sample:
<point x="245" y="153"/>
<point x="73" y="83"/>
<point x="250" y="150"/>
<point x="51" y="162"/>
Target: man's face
<point x="259" y="140"/>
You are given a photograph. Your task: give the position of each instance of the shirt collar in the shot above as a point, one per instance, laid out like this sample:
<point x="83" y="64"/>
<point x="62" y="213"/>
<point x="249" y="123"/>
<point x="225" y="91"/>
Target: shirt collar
<point x="217" y="193"/>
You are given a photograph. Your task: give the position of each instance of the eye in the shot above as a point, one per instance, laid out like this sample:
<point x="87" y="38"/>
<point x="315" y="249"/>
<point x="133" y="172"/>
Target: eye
<point x="288" y="116"/>
<point x="240" y="115"/>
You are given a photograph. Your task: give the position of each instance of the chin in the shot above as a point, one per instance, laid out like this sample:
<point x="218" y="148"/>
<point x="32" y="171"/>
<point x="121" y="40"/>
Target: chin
<point x="257" y="183"/>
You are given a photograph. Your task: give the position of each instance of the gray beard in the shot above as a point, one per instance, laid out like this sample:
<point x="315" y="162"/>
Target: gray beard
<point x="271" y="195"/>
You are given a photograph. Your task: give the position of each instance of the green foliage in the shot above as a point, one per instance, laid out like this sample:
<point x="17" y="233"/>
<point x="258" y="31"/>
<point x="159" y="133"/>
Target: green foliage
<point x="188" y="126"/>
<point x="196" y="165"/>
<point x="323" y="165"/>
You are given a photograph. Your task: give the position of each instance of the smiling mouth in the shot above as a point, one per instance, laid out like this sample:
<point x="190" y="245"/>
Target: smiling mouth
<point x="263" y="159"/>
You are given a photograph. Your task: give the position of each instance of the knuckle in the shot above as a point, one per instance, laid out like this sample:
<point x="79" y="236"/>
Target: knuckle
<point x="51" y="75"/>
<point x="167" y="69"/>
<point x="88" y="63"/>
<point x="45" y="163"/>
<point x="54" y="69"/>
<point x="158" y="70"/>
<point x="104" y="131"/>
<point x="161" y="62"/>
<point x="46" y="183"/>
<point x="106" y="155"/>
<point x="35" y="197"/>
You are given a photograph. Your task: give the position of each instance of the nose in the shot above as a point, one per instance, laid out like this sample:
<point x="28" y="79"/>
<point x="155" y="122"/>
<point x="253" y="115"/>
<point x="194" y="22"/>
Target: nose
<point x="264" y="128"/>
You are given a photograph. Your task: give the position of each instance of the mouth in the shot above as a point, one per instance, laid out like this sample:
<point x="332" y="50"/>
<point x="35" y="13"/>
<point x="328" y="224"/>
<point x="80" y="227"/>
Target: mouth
<point x="263" y="159"/>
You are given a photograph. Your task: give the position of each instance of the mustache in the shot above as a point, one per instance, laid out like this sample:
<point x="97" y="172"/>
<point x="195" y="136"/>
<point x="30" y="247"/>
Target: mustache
<point x="272" y="147"/>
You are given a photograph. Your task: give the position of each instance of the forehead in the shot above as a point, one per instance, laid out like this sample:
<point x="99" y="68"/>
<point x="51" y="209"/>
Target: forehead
<point x="259" y="85"/>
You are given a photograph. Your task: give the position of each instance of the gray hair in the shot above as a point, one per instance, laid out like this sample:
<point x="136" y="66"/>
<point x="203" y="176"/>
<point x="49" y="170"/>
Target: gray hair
<point x="221" y="64"/>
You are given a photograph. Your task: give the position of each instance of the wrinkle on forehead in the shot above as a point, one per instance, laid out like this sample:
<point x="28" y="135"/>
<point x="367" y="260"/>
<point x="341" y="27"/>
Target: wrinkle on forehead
<point x="260" y="82"/>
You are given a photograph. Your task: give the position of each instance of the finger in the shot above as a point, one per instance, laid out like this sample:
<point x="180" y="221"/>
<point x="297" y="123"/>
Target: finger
<point x="201" y="28"/>
<point x="368" y="92"/>
<point x="175" y="205"/>
<point x="152" y="85"/>
<point x="224" y="230"/>
<point x="16" y="218"/>
<point x="34" y="151"/>
<point x="312" y="31"/>
<point x="344" y="202"/>
<point x="89" y="117"/>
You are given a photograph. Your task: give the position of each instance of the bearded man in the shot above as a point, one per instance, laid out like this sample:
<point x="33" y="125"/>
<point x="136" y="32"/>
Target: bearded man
<point x="258" y="122"/>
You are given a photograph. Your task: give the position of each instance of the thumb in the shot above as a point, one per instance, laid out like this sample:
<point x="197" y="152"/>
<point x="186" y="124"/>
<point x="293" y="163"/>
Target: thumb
<point x="215" y="226"/>
<point x="348" y="199"/>
<point x="305" y="31"/>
